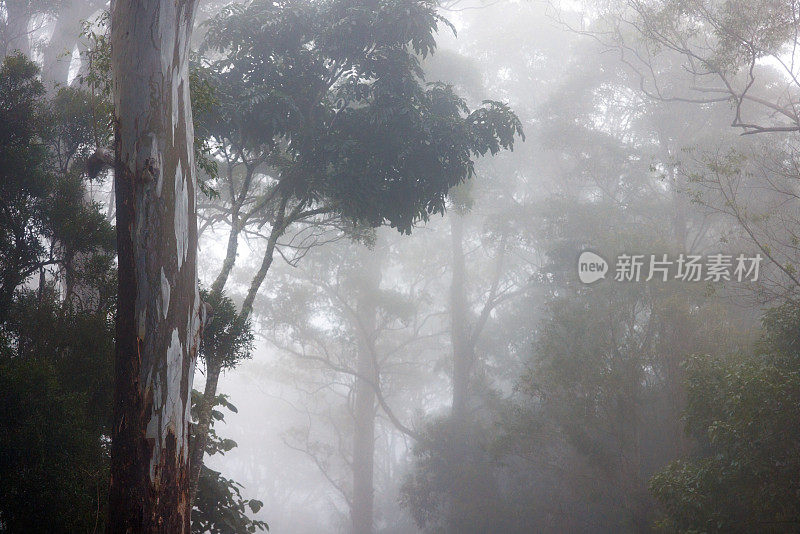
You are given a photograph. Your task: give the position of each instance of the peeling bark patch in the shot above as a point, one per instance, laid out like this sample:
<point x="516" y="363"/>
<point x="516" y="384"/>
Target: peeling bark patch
<point x="164" y="293"/>
<point x="141" y="324"/>
<point x="156" y="157"/>
<point x="175" y="104"/>
<point x="188" y="126"/>
<point x="173" y="405"/>
<point x="152" y="432"/>
<point x="166" y="417"/>
<point x="181" y="216"/>
<point x="155" y="452"/>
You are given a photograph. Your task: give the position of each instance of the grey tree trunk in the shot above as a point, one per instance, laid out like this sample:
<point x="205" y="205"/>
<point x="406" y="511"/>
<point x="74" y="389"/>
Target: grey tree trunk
<point x="364" y="405"/>
<point x="463" y="351"/>
<point x="159" y="317"/>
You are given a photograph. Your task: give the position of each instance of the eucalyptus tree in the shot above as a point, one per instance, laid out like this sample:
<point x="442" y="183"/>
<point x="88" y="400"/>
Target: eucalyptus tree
<point x="145" y="430"/>
<point x="159" y="311"/>
<point x="46" y="146"/>
<point x="324" y="116"/>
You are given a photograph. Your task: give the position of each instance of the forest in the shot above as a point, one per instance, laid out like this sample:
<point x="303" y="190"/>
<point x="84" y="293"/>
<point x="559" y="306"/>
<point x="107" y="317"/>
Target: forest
<point x="399" y="266"/>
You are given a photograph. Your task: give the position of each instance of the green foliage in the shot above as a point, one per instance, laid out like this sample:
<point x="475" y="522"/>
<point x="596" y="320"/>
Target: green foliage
<point x="227" y="339"/>
<point x="55" y="357"/>
<point x="97" y="55"/>
<point x="49" y="475"/>
<point x="332" y="94"/>
<point x="80" y="122"/>
<point x="220" y="508"/>
<point x="25" y="184"/>
<point x="743" y="410"/>
<point x="203" y="101"/>
<point x="454" y="486"/>
<point x="219" y="505"/>
<point x="55" y="388"/>
<point x="55" y="346"/>
<point x="602" y="393"/>
<point x="44" y="218"/>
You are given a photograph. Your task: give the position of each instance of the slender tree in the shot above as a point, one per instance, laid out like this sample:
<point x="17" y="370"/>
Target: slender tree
<point x="361" y="512"/>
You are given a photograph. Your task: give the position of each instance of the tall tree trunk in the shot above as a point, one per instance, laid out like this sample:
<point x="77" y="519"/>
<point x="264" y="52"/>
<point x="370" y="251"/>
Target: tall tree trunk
<point x="16" y="35"/>
<point x="459" y="322"/>
<point x="159" y="315"/>
<point x="677" y="311"/>
<point x="459" y="450"/>
<point x="680" y="311"/>
<point x="364" y="405"/>
<point x="58" y="52"/>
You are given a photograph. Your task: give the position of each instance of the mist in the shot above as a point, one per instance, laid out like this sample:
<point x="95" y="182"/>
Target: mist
<point x="399" y="266"/>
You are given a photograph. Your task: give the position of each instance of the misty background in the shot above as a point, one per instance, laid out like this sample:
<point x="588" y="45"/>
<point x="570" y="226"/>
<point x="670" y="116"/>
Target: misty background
<point x="455" y="375"/>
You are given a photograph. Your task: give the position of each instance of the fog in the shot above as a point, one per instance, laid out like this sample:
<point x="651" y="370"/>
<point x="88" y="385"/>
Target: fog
<point x="467" y="266"/>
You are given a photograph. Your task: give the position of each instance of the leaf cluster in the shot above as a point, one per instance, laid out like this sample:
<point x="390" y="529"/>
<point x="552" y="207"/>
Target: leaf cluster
<point x="219" y="505"/>
<point x="332" y="93"/>
<point x="742" y="409"/>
